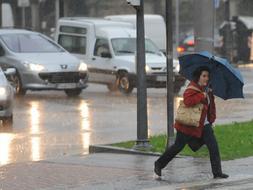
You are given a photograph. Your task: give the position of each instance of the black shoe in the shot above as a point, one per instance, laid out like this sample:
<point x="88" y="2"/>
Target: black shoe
<point x="220" y="176"/>
<point x="157" y="170"/>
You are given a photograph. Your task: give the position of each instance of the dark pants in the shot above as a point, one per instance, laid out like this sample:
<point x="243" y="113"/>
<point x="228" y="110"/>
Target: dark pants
<point x="182" y="139"/>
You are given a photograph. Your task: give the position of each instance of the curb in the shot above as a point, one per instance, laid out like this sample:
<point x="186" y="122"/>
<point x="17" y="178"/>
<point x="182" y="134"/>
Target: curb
<point x="112" y="149"/>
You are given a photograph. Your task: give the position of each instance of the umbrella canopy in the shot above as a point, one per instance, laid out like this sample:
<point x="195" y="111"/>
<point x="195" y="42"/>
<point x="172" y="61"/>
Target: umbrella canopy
<point x="226" y="81"/>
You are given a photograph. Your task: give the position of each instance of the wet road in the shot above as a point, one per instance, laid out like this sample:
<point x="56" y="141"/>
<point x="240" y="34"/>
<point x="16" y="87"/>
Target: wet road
<point x="49" y="124"/>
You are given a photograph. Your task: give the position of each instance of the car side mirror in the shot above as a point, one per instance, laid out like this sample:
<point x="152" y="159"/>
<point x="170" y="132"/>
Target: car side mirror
<point x="106" y="55"/>
<point x="10" y="71"/>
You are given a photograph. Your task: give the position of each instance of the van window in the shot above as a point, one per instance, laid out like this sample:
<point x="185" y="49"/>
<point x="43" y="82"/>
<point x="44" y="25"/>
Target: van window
<point x="71" y="29"/>
<point x="101" y="46"/>
<point x="122" y="46"/>
<point x="73" y="44"/>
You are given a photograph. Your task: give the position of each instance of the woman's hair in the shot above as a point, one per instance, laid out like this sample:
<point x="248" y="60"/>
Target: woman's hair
<point x="196" y="74"/>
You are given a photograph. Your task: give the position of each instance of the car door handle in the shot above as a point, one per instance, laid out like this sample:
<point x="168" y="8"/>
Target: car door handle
<point x="93" y="58"/>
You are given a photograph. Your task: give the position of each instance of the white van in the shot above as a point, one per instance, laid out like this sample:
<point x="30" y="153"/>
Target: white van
<point x="155" y="27"/>
<point x="108" y="48"/>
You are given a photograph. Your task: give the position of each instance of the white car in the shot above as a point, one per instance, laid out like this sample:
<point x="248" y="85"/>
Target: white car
<point x="41" y="64"/>
<point x="6" y="97"/>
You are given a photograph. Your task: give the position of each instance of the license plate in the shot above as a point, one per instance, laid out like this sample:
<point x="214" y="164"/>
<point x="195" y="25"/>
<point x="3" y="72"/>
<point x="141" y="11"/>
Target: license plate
<point x="161" y="78"/>
<point x="66" y="86"/>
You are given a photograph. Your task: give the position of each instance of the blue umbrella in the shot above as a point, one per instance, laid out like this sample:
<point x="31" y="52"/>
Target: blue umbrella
<point x="226" y="81"/>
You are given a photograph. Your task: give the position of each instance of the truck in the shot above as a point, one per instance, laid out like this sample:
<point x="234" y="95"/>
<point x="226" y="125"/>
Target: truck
<point x="109" y="50"/>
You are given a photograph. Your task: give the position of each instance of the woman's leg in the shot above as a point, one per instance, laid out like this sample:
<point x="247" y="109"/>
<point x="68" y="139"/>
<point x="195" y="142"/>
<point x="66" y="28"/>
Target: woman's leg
<point x="211" y="143"/>
<point x="171" y="152"/>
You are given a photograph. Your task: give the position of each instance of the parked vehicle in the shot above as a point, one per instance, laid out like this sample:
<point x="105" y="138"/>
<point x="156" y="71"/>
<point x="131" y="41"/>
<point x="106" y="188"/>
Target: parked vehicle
<point x="40" y="63"/>
<point x="6" y="97"/>
<point x="155" y="28"/>
<point x="109" y="48"/>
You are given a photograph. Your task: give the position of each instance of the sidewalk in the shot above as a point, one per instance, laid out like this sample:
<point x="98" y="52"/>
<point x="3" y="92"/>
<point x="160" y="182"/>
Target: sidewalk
<point x="105" y="171"/>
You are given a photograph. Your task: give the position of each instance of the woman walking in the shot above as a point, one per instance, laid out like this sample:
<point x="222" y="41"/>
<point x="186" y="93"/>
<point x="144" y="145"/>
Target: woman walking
<point x="196" y="92"/>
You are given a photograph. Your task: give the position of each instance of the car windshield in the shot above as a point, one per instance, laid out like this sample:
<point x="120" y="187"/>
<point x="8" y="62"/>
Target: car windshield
<point x="123" y="46"/>
<point x="29" y="43"/>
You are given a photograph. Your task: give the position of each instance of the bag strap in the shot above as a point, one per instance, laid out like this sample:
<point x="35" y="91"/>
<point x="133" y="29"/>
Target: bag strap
<point x="193" y="88"/>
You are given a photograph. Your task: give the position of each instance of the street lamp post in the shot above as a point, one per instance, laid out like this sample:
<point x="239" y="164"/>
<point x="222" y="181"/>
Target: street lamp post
<point x="142" y="118"/>
<point x="142" y="141"/>
<point x="170" y="74"/>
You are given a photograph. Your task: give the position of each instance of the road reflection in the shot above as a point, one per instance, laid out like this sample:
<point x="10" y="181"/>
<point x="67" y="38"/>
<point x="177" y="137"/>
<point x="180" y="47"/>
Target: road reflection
<point x="85" y="125"/>
<point x="35" y="119"/>
<point x="5" y="147"/>
<point x="35" y="149"/>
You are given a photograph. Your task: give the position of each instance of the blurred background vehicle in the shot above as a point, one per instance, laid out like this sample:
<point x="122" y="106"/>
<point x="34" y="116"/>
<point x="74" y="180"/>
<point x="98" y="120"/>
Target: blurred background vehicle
<point x="6" y="97"/>
<point x="187" y="43"/>
<point x="40" y="63"/>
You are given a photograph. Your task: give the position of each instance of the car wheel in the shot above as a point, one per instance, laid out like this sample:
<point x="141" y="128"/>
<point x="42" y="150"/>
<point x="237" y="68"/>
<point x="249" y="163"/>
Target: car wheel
<point x="112" y="86"/>
<point x="17" y="85"/>
<point x="125" y="86"/>
<point x="7" y="121"/>
<point x="73" y="92"/>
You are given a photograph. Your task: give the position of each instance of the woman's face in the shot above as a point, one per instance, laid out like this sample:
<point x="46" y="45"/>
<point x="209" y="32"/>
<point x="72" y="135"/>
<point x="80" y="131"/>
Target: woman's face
<point x="204" y="78"/>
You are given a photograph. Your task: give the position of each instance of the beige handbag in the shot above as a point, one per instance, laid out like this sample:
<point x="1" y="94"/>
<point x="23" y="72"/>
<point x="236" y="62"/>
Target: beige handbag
<point x="189" y="116"/>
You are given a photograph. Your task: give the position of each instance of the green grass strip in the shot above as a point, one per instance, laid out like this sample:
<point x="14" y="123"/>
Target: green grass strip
<point x="235" y="141"/>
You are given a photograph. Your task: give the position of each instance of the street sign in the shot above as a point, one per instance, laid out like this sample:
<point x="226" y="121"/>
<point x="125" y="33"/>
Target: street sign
<point x="23" y="3"/>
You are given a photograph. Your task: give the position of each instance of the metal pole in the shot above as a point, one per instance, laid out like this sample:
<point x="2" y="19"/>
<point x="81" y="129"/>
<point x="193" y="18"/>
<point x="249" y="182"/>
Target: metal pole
<point x="177" y="23"/>
<point x="142" y="124"/>
<point x="61" y="8"/>
<point x="66" y="7"/>
<point x="170" y="74"/>
<point x="227" y="36"/>
<point x="23" y="17"/>
<point x="204" y="25"/>
<point x="1" y="12"/>
<point x="35" y="15"/>
<point x="57" y="11"/>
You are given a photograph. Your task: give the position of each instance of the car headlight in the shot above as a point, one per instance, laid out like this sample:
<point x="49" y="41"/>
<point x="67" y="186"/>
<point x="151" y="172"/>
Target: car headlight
<point x="3" y="91"/>
<point x="148" y="69"/>
<point x="35" y="67"/>
<point x="83" y="66"/>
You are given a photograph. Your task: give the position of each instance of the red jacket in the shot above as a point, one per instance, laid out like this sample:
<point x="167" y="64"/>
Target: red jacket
<point x="193" y="97"/>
